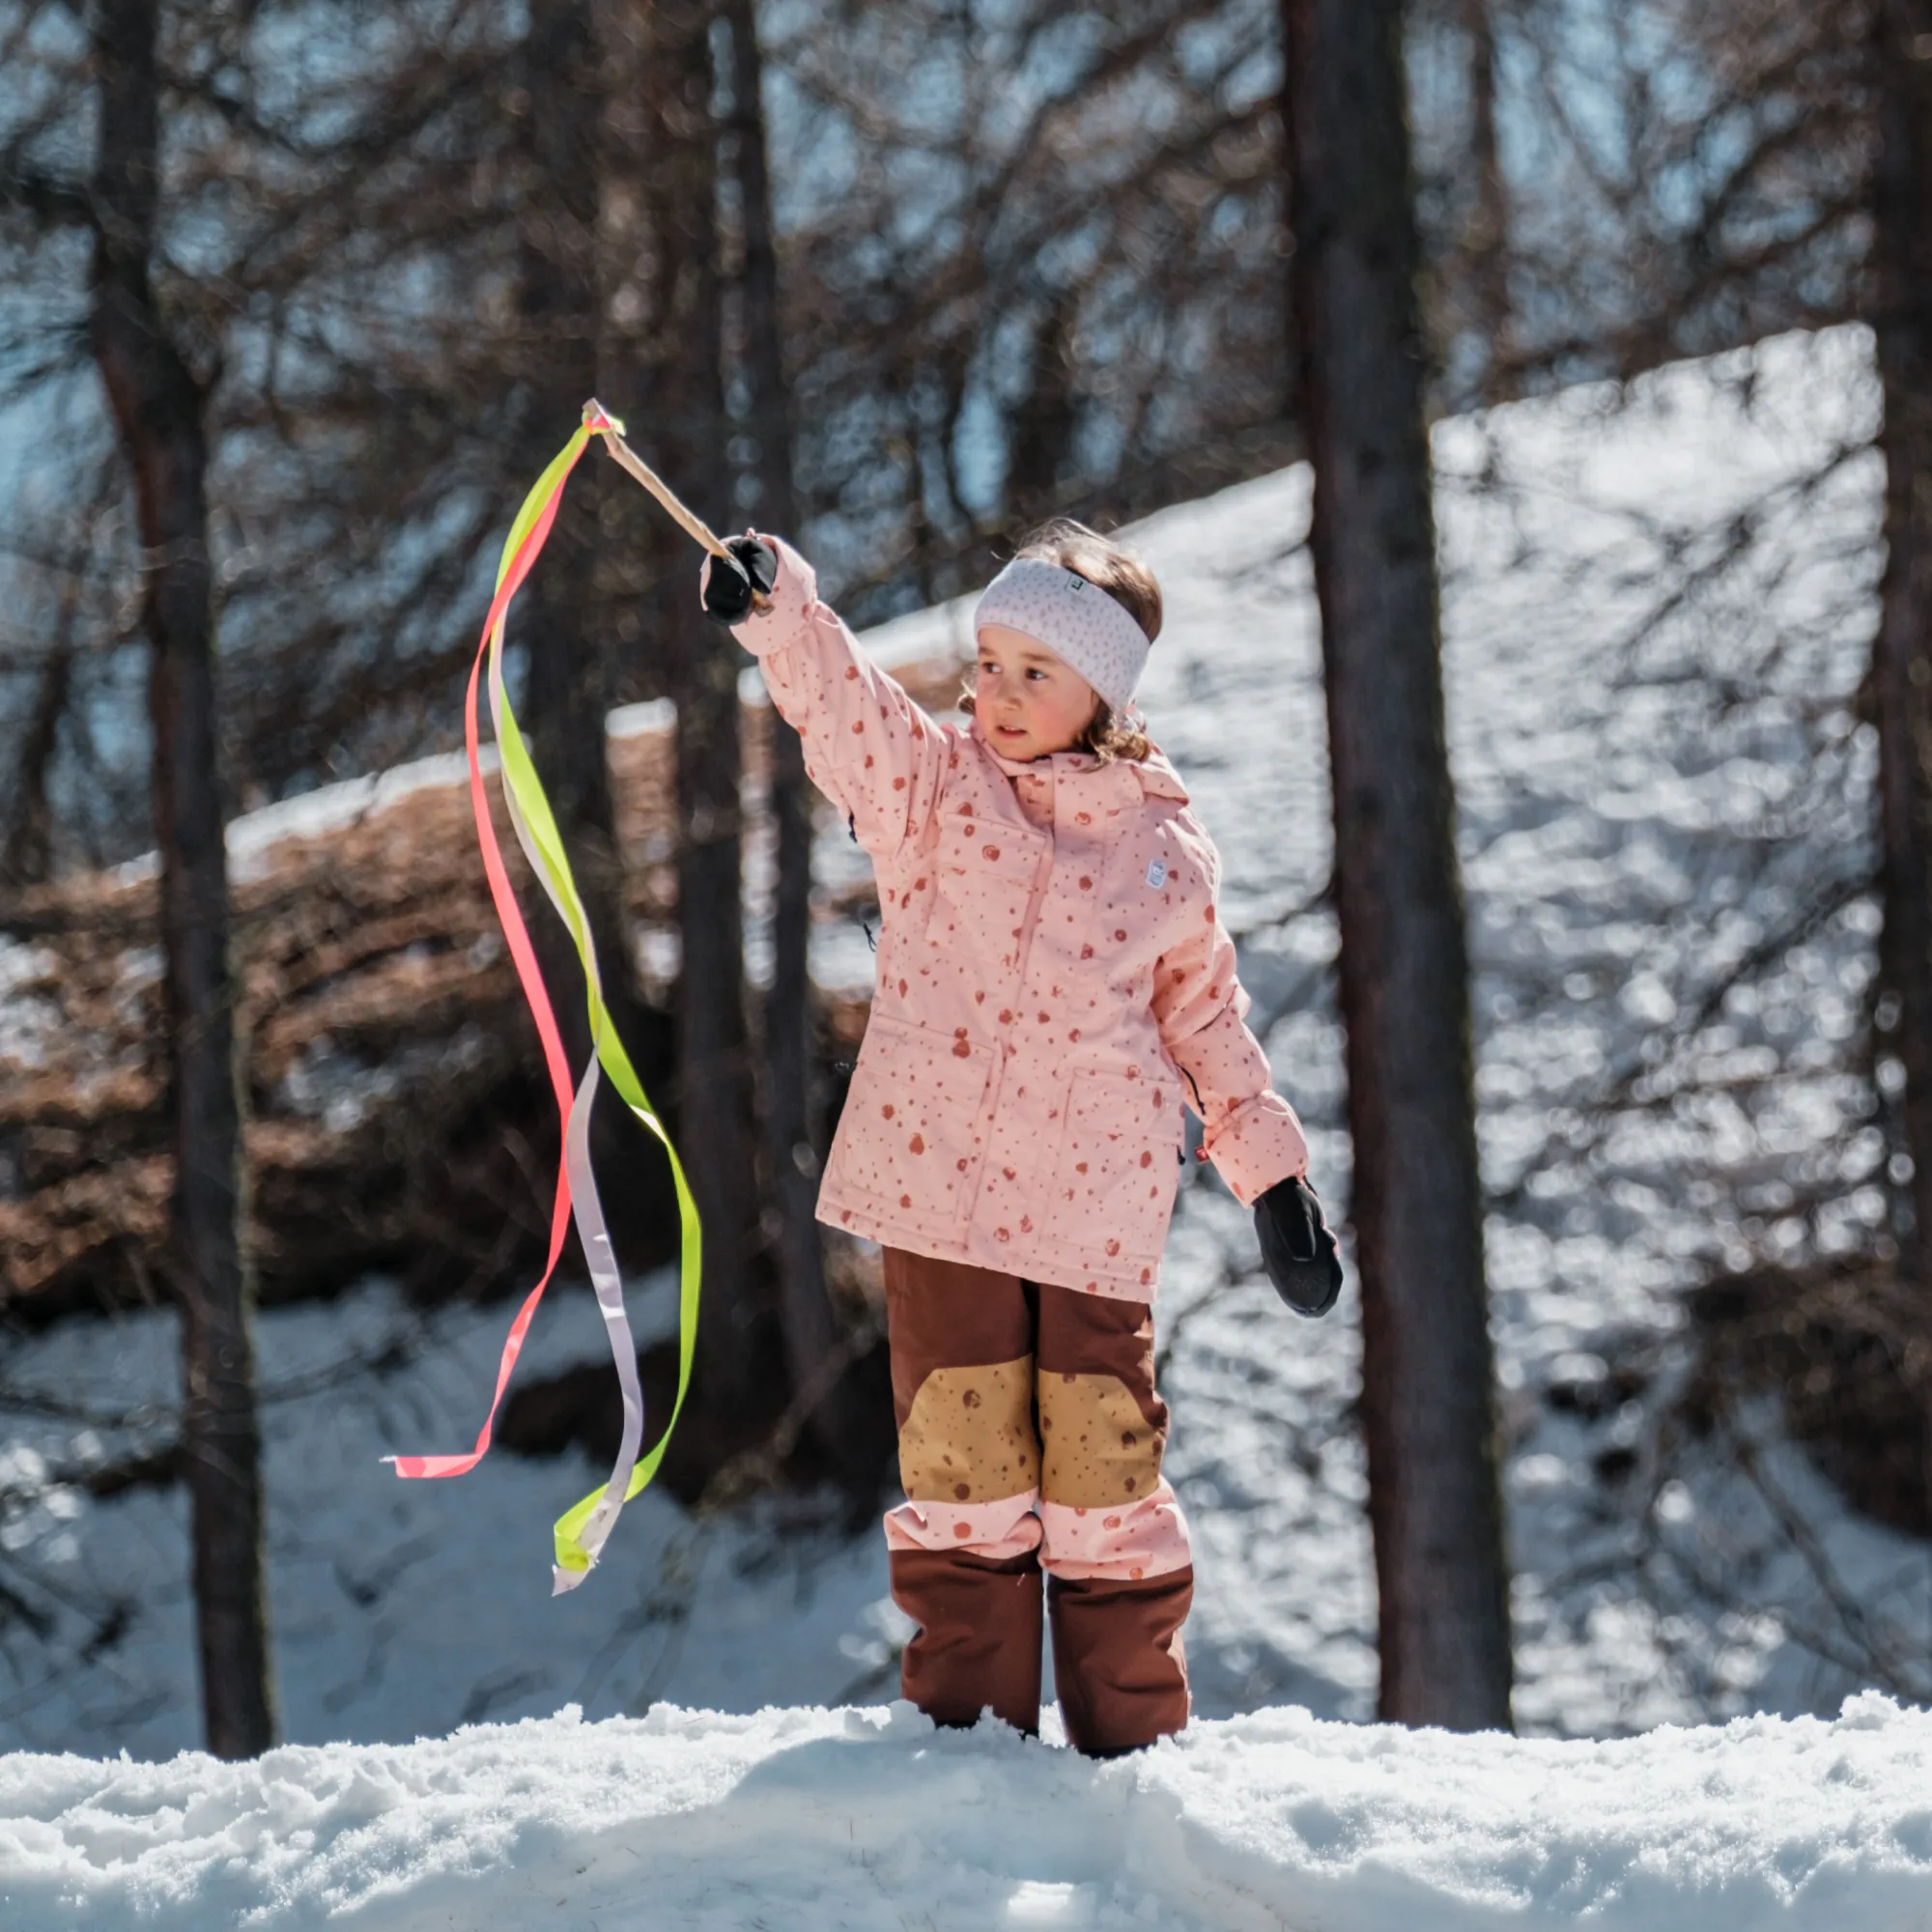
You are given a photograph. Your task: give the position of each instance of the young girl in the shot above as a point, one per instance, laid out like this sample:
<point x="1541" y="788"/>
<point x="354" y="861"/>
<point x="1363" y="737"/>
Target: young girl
<point x="1053" y="985"/>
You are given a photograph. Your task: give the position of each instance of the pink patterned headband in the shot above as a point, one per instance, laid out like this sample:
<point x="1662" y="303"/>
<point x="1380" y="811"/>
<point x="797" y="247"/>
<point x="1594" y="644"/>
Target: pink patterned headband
<point x="1074" y="619"/>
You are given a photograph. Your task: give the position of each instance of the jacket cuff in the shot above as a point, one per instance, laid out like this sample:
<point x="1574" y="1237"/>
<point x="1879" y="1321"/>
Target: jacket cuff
<point x="792" y="599"/>
<point x="1258" y="1144"/>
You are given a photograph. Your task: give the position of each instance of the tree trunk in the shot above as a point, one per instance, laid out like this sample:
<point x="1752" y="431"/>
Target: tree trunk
<point x="739" y="1378"/>
<point x="1902" y="655"/>
<point x="561" y="619"/>
<point x="1487" y="241"/>
<point x="159" y="410"/>
<point x="1046" y="421"/>
<point x="805" y="1307"/>
<point x="566" y="690"/>
<point x="1427" y="1397"/>
<point x="805" y="1313"/>
<point x="26" y="857"/>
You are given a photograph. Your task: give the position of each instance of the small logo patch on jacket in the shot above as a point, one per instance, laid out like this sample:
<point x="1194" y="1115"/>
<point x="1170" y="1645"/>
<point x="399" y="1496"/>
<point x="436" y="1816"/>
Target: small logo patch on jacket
<point x="1156" y="873"/>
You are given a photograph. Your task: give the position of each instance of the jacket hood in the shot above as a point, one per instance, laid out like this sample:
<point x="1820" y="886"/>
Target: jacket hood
<point x="1158" y="779"/>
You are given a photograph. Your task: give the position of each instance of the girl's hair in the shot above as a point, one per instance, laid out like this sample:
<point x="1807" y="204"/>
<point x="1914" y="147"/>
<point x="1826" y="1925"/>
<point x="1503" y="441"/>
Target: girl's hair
<point x="1131" y="585"/>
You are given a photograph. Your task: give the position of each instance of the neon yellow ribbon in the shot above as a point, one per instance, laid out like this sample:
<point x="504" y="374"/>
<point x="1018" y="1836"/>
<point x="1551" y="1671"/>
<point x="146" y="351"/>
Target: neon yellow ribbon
<point x="581" y="1531"/>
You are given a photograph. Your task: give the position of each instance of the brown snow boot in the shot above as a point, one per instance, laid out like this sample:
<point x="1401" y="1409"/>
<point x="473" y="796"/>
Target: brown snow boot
<point x="977" y="1645"/>
<point x="1118" y="1659"/>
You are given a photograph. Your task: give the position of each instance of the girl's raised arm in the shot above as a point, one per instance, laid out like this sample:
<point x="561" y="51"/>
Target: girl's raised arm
<point x="867" y="746"/>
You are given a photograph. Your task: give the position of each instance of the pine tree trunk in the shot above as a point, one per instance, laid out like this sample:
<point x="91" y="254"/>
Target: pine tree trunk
<point x="26" y="855"/>
<point x="1427" y="1397"/>
<point x="1046" y="419"/>
<point x="739" y="1378"/>
<point x="159" y="410"/>
<point x="1487" y="241"/>
<point x="811" y="1334"/>
<point x="566" y="690"/>
<point x="1902" y="654"/>
<point x="559" y="618"/>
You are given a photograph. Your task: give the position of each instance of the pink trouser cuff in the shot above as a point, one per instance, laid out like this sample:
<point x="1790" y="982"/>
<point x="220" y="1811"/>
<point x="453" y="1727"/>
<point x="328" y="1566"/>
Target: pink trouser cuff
<point x="1129" y="1540"/>
<point x="996" y="1530"/>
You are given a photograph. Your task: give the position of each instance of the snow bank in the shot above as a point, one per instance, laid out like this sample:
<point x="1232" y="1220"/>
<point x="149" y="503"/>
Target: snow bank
<point x="870" y="1819"/>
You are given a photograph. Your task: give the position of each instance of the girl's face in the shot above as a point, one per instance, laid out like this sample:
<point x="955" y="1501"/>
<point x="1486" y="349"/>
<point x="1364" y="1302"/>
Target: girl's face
<point x="1029" y="702"/>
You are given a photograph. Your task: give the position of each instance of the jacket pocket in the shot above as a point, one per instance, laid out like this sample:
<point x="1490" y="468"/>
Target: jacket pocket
<point x="910" y="1135"/>
<point x="1115" y="1177"/>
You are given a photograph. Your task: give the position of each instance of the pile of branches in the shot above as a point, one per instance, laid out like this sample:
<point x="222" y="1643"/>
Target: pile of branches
<point x="397" y="1110"/>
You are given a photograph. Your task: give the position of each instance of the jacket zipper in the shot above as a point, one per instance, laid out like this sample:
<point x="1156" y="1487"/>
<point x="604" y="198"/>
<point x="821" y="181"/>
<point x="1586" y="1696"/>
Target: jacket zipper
<point x="1029" y="922"/>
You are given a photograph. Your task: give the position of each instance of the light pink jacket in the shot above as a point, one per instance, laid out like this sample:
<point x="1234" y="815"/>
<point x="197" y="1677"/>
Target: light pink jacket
<point x="1054" y="983"/>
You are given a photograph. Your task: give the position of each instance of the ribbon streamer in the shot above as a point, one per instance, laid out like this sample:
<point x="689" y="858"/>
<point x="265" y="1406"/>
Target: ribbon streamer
<point x="581" y="1531"/>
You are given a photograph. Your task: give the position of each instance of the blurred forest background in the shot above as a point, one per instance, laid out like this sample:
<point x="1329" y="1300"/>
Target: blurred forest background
<point x="297" y="299"/>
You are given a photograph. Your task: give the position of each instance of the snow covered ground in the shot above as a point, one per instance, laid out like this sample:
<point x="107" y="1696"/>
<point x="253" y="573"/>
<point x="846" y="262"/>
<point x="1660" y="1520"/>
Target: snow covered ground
<point x="1655" y="611"/>
<point x="869" y="1820"/>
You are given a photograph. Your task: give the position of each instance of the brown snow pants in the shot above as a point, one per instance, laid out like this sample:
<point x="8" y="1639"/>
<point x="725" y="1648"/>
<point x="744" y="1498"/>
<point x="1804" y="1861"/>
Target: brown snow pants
<point x="1030" y="1441"/>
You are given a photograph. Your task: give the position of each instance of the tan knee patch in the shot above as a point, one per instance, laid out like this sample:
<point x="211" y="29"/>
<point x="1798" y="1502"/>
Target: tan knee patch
<point x="968" y="1438"/>
<point x="1099" y="1447"/>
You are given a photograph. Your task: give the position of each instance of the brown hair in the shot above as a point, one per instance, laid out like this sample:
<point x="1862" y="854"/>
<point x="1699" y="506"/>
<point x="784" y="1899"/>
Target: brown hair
<point x="1131" y="585"/>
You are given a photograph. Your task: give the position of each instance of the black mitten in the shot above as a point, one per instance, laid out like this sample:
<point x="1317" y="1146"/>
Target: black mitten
<point x="1297" y="1248"/>
<point x="729" y="581"/>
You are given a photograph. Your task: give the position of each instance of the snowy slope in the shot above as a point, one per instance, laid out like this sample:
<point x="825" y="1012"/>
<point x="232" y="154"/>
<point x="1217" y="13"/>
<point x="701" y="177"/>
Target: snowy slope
<point x="1656" y="610"/>
<point x="869" y="1820"/>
